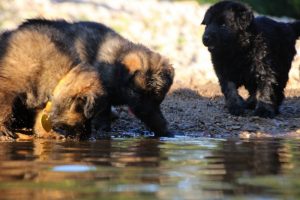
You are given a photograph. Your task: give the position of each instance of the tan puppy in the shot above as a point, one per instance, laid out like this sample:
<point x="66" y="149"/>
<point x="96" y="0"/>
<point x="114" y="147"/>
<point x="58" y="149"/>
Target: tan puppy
<point x="131" y="74"/>
<point x="35" y="68"/>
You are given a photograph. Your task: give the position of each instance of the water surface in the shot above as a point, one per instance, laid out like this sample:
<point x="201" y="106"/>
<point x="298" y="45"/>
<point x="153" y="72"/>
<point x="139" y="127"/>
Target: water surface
<point x="143" y="168"/>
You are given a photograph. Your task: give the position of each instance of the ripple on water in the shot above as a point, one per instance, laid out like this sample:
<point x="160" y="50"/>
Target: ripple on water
<point x="73" y="168"/>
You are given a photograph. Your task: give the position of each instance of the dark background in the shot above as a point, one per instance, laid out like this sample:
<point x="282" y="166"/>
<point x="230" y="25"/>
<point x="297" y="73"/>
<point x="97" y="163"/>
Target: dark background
<point x="279" y="8"/>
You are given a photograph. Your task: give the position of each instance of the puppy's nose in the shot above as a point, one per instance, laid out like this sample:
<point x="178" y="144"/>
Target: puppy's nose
<point x="206" y="40"/>
<point x="60" y="128"/>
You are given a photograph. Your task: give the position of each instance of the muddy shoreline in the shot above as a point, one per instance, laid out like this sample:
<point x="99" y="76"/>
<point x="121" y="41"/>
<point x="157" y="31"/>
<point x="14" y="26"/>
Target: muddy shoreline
<point x="200" y="112"/>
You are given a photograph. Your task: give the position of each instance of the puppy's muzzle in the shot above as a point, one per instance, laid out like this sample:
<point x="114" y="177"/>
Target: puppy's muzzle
<point x="206" y="40"/>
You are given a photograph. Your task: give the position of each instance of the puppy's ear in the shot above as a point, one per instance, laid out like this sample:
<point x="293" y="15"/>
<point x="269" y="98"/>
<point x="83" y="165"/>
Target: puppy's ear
<point x="132" y="62"/>
<point x="170" y="71"/>
<point x="89" y="106"/>
<point x="167" y="70"/>
<point x="85" y="105"/>
<point x="134" y="65"/>
<point x="205" y="20"/>
<point x="140" y="80"/>
<point x="168" y="74"/>
<point x="162" y="77"/>
<point x="244" y="19"/>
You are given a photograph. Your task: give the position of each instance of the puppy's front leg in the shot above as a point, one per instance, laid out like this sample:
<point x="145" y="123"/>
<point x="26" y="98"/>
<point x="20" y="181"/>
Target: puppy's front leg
<point x="154" y="120"/>
<point x="6" y="103"/>
<point x="101" y="122"/>
<point x="234" y="102"/>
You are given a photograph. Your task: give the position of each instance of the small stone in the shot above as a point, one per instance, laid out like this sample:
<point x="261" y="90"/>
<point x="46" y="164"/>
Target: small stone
<point x="245" y="135"/>
<point x="235" y="127"/>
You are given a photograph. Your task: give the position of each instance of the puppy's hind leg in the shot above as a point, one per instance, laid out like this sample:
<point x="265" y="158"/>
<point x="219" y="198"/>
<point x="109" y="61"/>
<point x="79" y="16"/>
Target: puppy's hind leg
<point x="268" y="97"/>
<point x="251" y="100"/>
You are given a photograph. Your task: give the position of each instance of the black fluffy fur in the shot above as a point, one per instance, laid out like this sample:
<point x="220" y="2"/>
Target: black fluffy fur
<point x="255" y="52"/>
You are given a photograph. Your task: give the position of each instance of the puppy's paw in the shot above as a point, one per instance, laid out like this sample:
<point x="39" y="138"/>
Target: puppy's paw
<point x="114" y="115"/>
<point x="100" y="130"/>
<point x="50" y="135"/>
<point x="169" y="134"/>
<point x="165" y="134"/>
<point x="265" y="110"/>
<point x="236" y="107"/>
<point x="5" y="133"/>
<point x="251" y="103"/>
<point x="101" y="127"/>
<point x="236" y="110"/>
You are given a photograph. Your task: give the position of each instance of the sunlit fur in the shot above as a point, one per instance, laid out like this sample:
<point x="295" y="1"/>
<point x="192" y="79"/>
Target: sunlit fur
<point x="32" y="63"/>
<point x="132" y="74"/>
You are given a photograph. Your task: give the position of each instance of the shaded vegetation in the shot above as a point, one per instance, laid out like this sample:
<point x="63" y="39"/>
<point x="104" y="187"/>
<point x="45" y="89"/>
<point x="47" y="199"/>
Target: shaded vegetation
<point x="289" y="8"/>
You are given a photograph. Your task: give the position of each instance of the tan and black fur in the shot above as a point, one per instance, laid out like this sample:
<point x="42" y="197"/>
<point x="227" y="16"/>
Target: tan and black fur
<point x="32" y="65"/>
<point x="130" y="74"/>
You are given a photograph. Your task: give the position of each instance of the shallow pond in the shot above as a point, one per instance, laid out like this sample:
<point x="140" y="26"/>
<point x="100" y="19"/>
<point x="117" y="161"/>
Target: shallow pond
<point x="143" y="168"/>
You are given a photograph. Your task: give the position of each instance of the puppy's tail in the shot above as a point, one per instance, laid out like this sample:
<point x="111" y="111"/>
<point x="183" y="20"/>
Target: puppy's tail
<point x="296" y="27"/>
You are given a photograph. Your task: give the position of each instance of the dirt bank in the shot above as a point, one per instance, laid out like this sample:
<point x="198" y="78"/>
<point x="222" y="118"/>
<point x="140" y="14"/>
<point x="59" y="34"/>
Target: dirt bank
<point x="200" y="112"/>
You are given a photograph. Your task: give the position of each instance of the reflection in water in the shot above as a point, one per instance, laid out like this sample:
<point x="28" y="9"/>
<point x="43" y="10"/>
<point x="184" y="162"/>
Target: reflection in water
<point x="73" y="168"/>
<point x="180" y="168"/>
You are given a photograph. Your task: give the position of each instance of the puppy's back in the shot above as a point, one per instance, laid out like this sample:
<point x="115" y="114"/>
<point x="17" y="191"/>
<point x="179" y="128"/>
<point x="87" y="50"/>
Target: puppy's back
<point x="273" y="29"/>
<point x="33" y="53"/>
<point x="281" y="39"/>
<point x="4" y="39"/>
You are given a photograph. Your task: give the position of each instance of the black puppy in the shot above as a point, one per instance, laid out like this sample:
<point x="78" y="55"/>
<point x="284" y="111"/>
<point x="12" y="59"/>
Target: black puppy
<point x="252" y="51"/>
